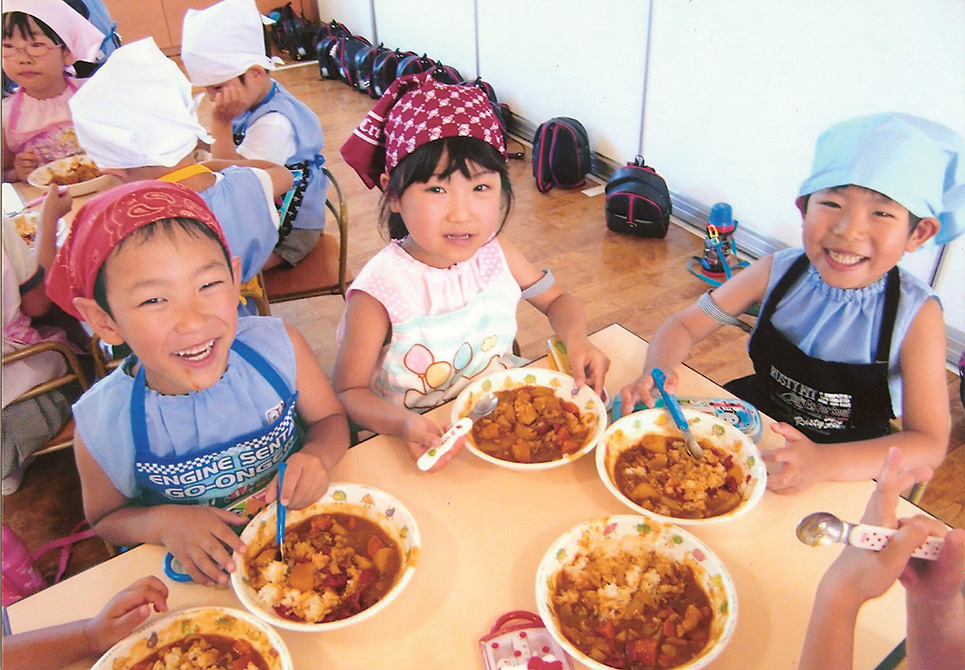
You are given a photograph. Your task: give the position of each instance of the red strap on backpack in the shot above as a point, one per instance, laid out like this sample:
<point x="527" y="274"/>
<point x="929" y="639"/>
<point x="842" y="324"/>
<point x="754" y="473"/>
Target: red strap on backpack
<point x="80" y="532"/>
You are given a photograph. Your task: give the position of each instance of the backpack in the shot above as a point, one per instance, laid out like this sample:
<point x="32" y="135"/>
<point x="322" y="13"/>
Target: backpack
<point x="346" y="51"/>
<point x="413" y="64"/>
<point x="325" y="53"/>
<point x="291" y="33"/>
<point x="561" y="154"/>
<point x="502" y="114"/>
<point x="637" y="201"/>
<point x="364" y="61"/>
<point x="383" y="71"/>
<point x="446" y="74"/>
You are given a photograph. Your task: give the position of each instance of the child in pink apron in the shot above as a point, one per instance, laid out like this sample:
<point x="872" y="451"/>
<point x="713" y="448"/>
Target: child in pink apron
<point x="41" y="39"/>
<point x="437" y="307"/>
<point x="209" y="404"/>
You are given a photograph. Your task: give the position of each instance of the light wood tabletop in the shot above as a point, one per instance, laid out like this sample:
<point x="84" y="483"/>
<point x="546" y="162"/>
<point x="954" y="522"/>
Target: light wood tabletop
<point x="484" y="530"/>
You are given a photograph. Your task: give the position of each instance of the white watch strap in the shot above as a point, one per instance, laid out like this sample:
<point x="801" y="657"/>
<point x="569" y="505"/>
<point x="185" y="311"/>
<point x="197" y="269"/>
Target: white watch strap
<point x="712" y="309"/>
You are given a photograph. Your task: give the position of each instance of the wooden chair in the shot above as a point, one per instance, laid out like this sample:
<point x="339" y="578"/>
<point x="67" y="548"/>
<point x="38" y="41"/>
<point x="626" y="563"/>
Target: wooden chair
<point x="323" y="271"/>
<point x="105" y="361"/>
<point x="64" y="439"/>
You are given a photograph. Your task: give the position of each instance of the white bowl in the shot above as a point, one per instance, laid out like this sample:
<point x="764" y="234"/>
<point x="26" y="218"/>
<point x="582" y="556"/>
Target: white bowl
<point x="586" y="400"/>
<point x="41" y="176"/>
<point x="364" y="501"/>
<point x="627" y="431"/>
<point x="667" y="540"/>
<point x="173" y="626"/>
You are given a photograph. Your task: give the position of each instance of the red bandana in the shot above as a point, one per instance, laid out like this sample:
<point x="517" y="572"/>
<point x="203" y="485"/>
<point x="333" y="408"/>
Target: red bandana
<point x="416" y="110"/>
<point x="108" y="218"/>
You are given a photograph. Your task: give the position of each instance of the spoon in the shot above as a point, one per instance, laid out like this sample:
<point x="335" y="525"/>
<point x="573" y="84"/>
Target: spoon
<point x="825" y="528"/>
<point x="483" y="406"/>
<point x="280" y="514"/>
<point x="670" y="400"/>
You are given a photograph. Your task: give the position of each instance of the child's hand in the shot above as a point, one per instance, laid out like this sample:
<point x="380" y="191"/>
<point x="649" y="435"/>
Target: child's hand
<point x="57" y="203"/>
<point x="421" y="434"/>
<point x="642" y="389"/>
<point x="200" y="538"/>
<point x="125" y="612"/>
<point x="858" y="575"/>
<point x="229" y="102"/>
<point x="800" y="458"/>
<point x="25" y="163"/>
<point x="306" y="480"/>
<point x="588" y="365"/>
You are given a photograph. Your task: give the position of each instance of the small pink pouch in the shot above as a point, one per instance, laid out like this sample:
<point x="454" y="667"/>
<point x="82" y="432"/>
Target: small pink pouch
<point x="519" y="641"/>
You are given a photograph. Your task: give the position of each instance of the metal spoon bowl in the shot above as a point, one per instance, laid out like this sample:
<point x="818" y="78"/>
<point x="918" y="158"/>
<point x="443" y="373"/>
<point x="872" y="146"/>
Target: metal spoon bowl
<point x="823" y="528"/>
<point x="820" y="528"/>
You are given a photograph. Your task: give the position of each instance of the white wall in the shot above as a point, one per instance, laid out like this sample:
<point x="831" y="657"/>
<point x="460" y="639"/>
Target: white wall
<point x="730" y="95"/>
<point x="355" y="14"/>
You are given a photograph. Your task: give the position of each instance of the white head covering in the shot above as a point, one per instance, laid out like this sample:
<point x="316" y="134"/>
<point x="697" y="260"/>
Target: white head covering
<point x="136" y="110"/>
<point x="221" y="42"/>
<point x="82" y="39"/>
<point x="917" y="163"/>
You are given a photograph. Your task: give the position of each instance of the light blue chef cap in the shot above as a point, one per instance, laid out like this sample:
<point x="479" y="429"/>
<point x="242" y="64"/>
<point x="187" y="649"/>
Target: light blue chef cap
<point x="917" y="163"/>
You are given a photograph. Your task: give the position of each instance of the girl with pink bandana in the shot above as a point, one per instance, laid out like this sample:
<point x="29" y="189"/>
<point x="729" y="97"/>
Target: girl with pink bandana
<point x="41" y="39"/>
<point x="436" y="308"/>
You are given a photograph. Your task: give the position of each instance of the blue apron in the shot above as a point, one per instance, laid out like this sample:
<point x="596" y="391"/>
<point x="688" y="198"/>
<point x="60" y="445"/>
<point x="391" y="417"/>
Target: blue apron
<point x="225" y="474"/>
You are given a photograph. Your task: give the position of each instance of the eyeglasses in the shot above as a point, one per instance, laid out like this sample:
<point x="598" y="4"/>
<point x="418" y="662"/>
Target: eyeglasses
<point x="34" y="49"/>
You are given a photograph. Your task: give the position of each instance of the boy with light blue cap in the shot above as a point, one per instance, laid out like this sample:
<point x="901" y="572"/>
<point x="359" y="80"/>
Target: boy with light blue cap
<point x="845" y="341"/>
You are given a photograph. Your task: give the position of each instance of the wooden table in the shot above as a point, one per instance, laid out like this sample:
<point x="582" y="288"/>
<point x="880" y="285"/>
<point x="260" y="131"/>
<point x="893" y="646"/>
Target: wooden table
<point x="484" y="530"/>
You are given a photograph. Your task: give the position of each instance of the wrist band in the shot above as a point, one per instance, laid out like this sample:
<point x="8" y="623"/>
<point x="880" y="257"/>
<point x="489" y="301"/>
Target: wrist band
<point x="545" y="283"/>
<point x="713" y="310"/>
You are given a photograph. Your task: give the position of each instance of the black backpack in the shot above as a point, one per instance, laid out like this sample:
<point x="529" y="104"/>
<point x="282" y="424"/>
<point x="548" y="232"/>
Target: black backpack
<point x="364" y="62"/>
<point x="561" y="154"/>
<point x="346" y="51"/>
<point x="291" y="33"/>
<point x="413" y="64"/>
<point x="325" y="53"/>
<point x="383" y="71"/>
<point x="638" y="201"/>
<point x="446" y="74"/>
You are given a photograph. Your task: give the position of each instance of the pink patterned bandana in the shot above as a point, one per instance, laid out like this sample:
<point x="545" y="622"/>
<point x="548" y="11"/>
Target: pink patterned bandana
<point x="106" y="219"/>
<point x="416" y="110"/>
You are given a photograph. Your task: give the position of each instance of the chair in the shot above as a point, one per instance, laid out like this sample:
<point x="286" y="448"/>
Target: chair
<point x="75" y="374"/>
<point x="323" y="271"/>
<point x="105" y="360"/>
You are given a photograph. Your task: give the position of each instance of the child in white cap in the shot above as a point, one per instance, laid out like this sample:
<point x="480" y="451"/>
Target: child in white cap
<point x="150" y="130"/>
<point x="845" y="341"/>
<point x="223" y="50"/>
<point x="41" y="40"/>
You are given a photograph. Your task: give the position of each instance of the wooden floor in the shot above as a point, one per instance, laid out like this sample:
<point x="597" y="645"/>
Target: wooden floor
<point x="632" y="281"/>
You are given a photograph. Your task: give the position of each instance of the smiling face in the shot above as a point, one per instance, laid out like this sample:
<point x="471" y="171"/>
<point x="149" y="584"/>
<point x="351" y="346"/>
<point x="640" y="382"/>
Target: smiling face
<point x="450" y="218"/>
<point x="853" y="236"/>
<point x="174" y="301"/>
<point x="42" y="74"/>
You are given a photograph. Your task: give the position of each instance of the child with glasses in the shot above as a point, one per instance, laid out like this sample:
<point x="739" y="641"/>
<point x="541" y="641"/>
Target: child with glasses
<point x="41" y="39"/>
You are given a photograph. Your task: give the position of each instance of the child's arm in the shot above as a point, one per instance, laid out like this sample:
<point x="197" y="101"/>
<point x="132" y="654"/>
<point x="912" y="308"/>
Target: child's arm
<point x="674" y="339"/>
<point x="926" y="420"/>
<point x="198" y="536"/>
<point x="588" y="363"/>
<point x="9" y="171"/>
<point x="281" y="177"/>
<point x="227" y="104"/>
<point x="327" y="438"/>
<point x="35" y="302"/>
<point x="366" y="327"/>
<point x="58" y="646"/>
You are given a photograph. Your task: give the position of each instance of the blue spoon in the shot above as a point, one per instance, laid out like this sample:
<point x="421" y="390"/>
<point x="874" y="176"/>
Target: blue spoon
<point x="280" y="513"/>
<point x="678" y="416"/>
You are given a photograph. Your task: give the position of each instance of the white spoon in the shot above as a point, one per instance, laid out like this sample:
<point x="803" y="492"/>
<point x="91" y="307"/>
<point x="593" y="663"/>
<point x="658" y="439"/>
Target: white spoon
<point x="483" y="406"/>
<point x="825" y="528"/>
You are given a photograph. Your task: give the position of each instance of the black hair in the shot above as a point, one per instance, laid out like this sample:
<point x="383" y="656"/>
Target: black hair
<point x="19" y="21"/>
<point x="191" y="227"/>
<point x="913" y="220"/>
<point x="419" y="167"/>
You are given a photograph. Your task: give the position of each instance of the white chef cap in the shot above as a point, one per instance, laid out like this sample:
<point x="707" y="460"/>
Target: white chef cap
<point x="81" y="38"/>
<point x="136" y="110"/>
<point x="221" y="42"/>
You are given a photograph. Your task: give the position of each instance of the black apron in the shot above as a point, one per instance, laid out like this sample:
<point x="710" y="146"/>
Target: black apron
<point x="827" y="401"/>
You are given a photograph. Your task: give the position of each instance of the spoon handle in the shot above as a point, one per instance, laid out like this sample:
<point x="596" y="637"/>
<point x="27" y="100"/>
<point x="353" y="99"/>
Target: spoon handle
<point x="432" y="456"/>
<point x="875" y="538"/>
<point x="280" y="513"/>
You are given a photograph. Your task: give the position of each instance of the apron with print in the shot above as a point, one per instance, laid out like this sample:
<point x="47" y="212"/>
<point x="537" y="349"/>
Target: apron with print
<point x="52" y="143"/>
<point x="429" y="359"/>
<point x="826" y="400"/>
<point x="222" y="475"/>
